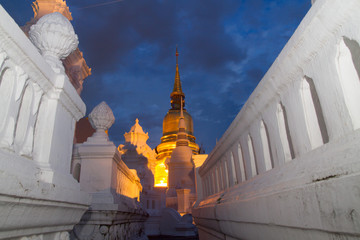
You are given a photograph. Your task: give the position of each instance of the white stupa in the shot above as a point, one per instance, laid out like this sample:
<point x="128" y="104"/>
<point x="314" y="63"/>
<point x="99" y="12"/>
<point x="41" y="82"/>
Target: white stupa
<point x="181" y="182"/>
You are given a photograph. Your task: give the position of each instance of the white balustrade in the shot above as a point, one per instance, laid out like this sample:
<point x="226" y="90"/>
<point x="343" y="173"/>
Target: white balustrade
<point x="99" y="161"/>
<point x="115" y="188"/>
<point x="128" y="182"/>
<point x="298" y="109"/>
<point x="296" y="139"/>
<point x="39" y="108"/>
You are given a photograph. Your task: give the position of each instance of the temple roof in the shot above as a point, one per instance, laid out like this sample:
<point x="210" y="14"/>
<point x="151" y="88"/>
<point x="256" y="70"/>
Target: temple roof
<point x="136" y="128"/>
<point x="172" y="120"/>
<point x="177" y="92"/>
<point x="177" y="84"/>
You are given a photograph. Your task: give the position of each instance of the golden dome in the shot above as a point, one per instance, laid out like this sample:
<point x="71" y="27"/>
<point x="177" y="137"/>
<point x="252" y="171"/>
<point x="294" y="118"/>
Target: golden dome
<point x="171" y="122"/>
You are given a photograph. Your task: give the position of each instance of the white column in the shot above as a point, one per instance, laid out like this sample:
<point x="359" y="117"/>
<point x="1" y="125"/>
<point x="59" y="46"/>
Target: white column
<point x="183" y="200"/>
<point x="61" y="106"/>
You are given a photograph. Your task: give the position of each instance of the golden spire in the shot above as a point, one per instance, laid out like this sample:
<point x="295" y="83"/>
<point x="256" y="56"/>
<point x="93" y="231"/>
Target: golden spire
<point x="177" y="92"/>
<point x="182" y="139"/>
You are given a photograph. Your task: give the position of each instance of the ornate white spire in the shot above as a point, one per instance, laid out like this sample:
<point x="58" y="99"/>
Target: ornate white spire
<point x="136" y="136"/>
<point x="137" y="128"/>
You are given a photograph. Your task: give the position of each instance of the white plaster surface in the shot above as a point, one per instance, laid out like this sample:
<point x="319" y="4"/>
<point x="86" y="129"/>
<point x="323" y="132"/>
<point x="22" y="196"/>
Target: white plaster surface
<point x="115" y="211"/>
<point x="309" y="188"/>
<point x="37" y="119"/>
<point x="200" y="187"/>
<point x="137" y="155"/>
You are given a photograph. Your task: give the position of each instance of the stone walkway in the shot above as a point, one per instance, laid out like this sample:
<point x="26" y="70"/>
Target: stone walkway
<point x="172" y="238"/>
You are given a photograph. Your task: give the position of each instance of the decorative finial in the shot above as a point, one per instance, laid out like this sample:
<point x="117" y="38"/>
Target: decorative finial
<point x="177" y="54"/>
<point x="101" y="117"/>
<point x="55" y="38"/>
<point x="137" y="121"/>
<point x="177" y="91"/>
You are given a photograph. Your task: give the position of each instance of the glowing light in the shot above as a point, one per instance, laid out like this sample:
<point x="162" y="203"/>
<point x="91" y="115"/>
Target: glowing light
<point x="161" y="175"/>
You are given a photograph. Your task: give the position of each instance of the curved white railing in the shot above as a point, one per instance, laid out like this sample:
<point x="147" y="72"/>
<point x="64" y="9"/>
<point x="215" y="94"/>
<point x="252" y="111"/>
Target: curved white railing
<point x="38" y="111"/>
<point x="288" y="165"/>
<point x="37" y="102"/>
<point x="309" y="97"/>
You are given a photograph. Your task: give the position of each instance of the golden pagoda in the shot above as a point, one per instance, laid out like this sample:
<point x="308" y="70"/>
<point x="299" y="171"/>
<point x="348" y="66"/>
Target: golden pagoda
<point x="171" y="128"/>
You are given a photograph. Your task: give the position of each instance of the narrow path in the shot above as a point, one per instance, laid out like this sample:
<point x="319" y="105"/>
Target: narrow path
<point x="172" y="238"/>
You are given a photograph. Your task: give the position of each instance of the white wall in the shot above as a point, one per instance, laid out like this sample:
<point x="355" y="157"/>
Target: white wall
<point x="39" y="198"/>
<point x="299" y="127"/>
<point x="115" y="211"/>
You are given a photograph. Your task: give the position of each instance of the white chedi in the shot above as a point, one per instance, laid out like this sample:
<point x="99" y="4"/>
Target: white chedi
<point x="55" y="38"/>
<point x="136" y="136"/>
<point x="138" y="155"/>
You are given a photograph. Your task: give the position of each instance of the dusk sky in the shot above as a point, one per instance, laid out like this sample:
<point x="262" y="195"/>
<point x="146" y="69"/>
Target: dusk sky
<point x="225" y="46"/>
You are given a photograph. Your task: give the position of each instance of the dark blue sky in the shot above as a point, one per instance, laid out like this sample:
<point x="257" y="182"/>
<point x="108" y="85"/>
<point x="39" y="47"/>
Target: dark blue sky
<point x="225" y="46"/>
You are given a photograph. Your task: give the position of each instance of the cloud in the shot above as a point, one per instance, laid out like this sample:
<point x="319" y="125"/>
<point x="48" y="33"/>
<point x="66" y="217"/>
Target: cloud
<point x="116" y="30"/>
<point x="131" y="49"/>
<point x="225" y="49"/>
<point x="19" y="10"/>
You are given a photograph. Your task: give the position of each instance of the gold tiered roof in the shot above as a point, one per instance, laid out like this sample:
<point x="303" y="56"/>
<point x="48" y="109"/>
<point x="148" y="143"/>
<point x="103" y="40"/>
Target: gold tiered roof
<point x="171" y="121"/>
<point x="177" y="91"/>
<point x="171" y="129"/>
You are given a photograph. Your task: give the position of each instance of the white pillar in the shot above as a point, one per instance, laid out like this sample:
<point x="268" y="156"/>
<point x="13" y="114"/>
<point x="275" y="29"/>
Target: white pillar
<point x="183" y="200"/>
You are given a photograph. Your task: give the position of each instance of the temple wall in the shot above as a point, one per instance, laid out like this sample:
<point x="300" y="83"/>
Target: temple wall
<point x="115" y="211"/>
<point x="39" y="198"/>
<point x="288" y="166"/>
<point x="101" y="168"/>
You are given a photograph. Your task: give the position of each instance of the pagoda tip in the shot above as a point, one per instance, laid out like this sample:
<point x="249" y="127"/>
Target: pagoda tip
<point x="181" y="108"/>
